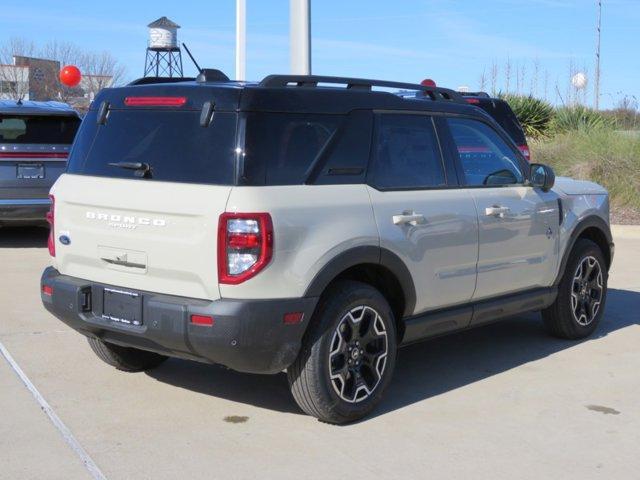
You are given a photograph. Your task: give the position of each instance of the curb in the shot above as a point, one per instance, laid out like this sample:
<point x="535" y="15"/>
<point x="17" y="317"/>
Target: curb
<point x="625" y="231"/>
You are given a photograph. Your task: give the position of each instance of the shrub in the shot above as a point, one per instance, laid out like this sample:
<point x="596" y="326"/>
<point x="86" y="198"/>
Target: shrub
<point x="579" y="118"/>
<point x="601" y="155"/>
<point x="535" y="115"/>
<point x="623" y="118"/>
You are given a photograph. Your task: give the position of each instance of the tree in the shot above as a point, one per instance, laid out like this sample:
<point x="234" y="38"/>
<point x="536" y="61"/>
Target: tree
<point x="101" y="70"/>
<point x="14" y="79"/>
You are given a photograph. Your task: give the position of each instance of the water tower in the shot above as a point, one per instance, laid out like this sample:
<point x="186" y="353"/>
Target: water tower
<point x="163" y="53"/>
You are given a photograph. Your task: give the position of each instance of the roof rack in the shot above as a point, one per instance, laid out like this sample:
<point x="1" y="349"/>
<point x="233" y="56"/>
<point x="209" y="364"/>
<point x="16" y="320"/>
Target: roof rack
<point x="152" y="80"/>
<point x="312" y="81"/>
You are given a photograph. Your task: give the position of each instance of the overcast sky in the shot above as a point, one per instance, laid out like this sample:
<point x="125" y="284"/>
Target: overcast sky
<point x="452" y="42"/>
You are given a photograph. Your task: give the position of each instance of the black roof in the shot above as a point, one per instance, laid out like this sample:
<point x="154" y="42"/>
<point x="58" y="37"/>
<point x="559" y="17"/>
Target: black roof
<point x="294" y="94"/>
<point x="163" y="22"/>
<point x="29" y="107"/>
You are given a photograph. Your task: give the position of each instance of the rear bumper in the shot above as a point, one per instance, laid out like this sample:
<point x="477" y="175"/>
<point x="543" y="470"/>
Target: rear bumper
<point x="23" y="210"/>
<point x="247" y="335"/>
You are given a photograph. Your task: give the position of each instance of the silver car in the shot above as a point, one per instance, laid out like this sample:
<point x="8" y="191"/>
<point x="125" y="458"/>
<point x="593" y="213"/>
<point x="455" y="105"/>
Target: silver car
<point x="313" y="225"/>
<point x="35" y="138"/>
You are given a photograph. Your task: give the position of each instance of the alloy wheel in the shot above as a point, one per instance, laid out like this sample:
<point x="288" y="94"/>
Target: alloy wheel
<point x="358" y="354"/>
<point x="586" y="291"/>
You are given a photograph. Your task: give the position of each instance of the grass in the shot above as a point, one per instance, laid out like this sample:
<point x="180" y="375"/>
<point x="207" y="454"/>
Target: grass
<point x="608" y="157"/>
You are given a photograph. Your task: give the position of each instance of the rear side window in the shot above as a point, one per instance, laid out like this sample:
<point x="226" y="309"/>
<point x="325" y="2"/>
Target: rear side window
<point x="487" y="160"/>
<point x="281" y="148"/>
<point x="406" y="153"/>
<point x="32" y="129"/>
<point x="172" y="143"/>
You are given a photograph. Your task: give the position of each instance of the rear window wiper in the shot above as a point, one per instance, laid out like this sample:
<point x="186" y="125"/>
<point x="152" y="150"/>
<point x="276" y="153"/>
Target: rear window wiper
<point x="142" y="170"/>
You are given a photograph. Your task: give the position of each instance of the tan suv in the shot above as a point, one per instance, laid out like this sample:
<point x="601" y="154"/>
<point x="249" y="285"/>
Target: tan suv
<point x="313" y="225"/>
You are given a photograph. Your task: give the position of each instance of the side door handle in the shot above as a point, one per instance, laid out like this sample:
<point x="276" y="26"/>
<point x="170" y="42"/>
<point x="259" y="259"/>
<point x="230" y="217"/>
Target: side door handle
<point x="496" y="211"/>
<point x="408" y="217"/>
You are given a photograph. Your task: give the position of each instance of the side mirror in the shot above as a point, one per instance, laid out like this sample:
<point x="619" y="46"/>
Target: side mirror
<point x="542" y="176"/>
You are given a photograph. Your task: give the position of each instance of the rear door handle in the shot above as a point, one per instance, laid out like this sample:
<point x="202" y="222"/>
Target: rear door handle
<point x="496" y="211"/>
<point x="408" y="217"/>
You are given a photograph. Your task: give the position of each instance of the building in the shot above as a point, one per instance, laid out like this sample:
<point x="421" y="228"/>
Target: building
<point x="37" y="79"/>
<point x="14" y="82"/>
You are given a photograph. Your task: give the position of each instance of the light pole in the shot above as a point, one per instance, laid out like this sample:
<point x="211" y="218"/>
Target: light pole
<point x="300" y="36"/>
<point x="596" y="84"/>
<point x="241" y="39"/>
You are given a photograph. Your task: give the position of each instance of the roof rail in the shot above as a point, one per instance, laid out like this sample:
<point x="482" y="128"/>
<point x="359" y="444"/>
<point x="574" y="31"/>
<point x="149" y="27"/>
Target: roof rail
<point x="312" y="81"/>
<point x="152" y="80"/>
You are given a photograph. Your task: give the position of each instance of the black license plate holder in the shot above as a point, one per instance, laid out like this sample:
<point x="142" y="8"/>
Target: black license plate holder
<point x="30" y="171"/>
<point x="122" y="306"/>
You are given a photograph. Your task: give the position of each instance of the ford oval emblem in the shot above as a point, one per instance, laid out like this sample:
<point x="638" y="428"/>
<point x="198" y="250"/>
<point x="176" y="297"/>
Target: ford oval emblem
<point x="64" y="240"/>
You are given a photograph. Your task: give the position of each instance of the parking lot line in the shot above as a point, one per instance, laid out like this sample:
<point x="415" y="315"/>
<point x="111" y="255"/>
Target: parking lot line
<point x="88" y="462"/>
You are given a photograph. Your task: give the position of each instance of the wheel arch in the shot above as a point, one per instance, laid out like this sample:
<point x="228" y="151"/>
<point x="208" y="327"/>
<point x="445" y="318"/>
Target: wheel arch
<point x="593" y="228"/>
<point x="375" y="266"/>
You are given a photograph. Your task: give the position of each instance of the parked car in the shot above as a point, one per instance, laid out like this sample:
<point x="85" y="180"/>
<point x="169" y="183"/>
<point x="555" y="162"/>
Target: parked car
<point x="502" y="113"/>
<point x="35" y="138"/>
<point x="314" y="225"/>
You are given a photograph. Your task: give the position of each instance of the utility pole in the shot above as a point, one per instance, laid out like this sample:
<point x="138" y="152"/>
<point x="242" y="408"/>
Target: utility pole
<point x="596" y="86"/>
<point x="300" y="36"/>
<point x="241" y="39"/>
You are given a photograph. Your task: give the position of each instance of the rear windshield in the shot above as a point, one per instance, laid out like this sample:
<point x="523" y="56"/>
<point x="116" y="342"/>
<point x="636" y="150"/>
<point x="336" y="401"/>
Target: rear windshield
<point x="502" y="113"/>
<point x="23" y="129"/>
<point x="173" y="143"/>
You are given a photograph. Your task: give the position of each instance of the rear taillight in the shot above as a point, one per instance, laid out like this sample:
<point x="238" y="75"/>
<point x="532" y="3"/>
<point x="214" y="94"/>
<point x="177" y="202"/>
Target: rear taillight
<point x="50" y="216"/>
<point x="525" y="151"/>
<point x="245" y="245"/>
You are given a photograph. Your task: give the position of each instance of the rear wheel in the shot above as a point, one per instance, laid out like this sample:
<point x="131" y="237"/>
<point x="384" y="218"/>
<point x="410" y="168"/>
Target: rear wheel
<point x="348" y="356"/>
<point x="125" y="358"/>
<point x="582" y="293"/>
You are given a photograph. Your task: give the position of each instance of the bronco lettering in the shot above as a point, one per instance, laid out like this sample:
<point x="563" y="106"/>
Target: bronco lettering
<point x="116" y="220"/>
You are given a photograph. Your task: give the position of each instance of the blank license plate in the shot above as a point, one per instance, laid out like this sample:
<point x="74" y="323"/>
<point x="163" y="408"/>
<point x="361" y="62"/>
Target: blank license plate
<point x="122" y="307"/>
<point x="31" y="170"/>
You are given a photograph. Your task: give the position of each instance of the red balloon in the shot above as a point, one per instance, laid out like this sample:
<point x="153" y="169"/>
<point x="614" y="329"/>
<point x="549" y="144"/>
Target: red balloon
<point x="427" y="82"/>
<point x="70" y="75"/>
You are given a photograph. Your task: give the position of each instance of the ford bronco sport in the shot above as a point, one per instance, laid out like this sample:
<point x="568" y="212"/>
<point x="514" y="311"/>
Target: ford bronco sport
<point x="313" y="225"/>
<point x="35" y="138"/>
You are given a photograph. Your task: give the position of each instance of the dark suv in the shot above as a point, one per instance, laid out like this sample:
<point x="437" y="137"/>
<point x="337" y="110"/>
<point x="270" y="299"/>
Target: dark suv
<point x="502" y="113"/>
<point x="35" y="138"/>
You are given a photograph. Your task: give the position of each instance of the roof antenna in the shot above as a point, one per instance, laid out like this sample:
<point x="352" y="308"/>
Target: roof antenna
<point x="191" y="57"/>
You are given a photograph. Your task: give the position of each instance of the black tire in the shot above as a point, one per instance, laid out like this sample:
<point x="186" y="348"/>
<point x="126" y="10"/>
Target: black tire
<point x="332" y="326"/>
<point x="125" y="358"/>
<point x="561" y="319"/>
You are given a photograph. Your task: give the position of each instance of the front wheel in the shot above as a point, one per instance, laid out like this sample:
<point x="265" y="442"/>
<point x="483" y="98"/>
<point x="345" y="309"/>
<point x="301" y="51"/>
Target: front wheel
<point x="582" y="293"/>
<point x="348" y="356"/>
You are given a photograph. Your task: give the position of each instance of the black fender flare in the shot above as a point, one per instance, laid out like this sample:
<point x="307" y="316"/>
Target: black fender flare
<point x="592" y="221"/>
<point x="366" y="254"/>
